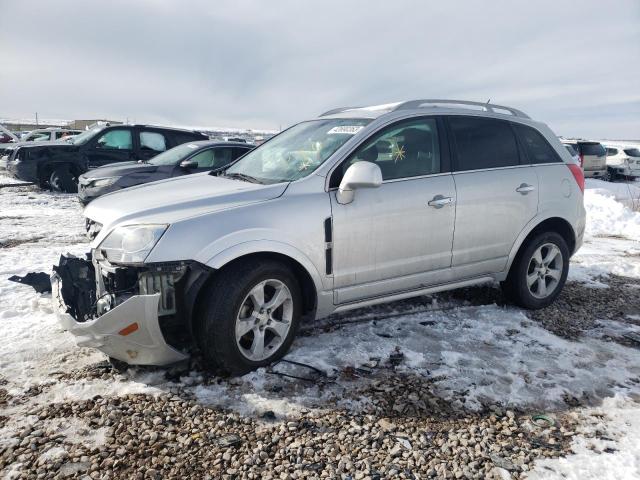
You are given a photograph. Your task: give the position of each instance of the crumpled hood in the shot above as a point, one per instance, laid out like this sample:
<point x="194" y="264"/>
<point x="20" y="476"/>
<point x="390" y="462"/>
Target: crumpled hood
<point x="169" y="201"/>
<point x="119" y="170"/>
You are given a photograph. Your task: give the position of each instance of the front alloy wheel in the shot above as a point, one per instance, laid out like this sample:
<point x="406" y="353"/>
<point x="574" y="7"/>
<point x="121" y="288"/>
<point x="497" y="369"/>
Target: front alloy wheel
<point x="264" y="320"/>
<point x="248" y="316"/>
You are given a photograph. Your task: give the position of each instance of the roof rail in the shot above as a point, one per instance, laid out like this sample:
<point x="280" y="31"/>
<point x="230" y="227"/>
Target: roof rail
<point x="414" y="104"/>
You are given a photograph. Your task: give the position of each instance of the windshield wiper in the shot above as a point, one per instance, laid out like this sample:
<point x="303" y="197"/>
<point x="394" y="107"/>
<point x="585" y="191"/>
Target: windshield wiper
<point x="241" y="176"/>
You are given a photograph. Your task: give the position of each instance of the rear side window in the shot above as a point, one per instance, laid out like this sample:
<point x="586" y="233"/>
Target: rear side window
<point x="153" y="141"/>
<point x="612" y="151"/>
<point x="483" y="143"/>
<point x="536" y="147"/>
<point x="632" y="152"/>
<point x="595" y="149"/>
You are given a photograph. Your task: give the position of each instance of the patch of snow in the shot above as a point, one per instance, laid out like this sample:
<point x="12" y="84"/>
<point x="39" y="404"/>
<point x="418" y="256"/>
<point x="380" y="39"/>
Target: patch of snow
<point x="606" y="449"/>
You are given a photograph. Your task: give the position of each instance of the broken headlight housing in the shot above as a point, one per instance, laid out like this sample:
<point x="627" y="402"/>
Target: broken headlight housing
<point x="131" y="243"/>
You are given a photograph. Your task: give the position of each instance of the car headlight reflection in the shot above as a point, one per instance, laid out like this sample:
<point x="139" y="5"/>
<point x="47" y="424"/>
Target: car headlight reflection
<point x="104" y="182"/>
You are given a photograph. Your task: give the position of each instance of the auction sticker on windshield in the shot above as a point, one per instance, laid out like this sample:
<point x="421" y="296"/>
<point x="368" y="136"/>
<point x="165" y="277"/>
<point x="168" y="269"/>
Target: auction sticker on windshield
<point x="346" y="129"/>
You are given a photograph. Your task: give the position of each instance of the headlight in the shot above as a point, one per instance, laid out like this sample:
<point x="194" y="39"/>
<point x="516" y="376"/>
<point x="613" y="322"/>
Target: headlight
<point x="132" y="243"/>
<point x="103" y="182"/>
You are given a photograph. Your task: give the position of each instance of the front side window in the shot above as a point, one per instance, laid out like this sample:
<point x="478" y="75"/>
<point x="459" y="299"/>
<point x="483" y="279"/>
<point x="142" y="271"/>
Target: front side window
<point x="405" y="149"/>
<point x="204" y="159"/>
<point x="483" y="143"/>
<point x="296" y="152"/>
<point x="153" y="141"/>
<point x="115" y="140"/>
<point x="537" y="148"/>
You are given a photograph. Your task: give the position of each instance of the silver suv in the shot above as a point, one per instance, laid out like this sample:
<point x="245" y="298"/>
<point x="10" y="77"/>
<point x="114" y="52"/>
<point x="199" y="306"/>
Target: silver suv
<point x="356" y="207"/>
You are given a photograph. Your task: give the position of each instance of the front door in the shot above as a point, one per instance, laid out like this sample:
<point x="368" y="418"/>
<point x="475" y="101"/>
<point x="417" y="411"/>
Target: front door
<point x="393" y="238"/>
<point x="114" y="145"/>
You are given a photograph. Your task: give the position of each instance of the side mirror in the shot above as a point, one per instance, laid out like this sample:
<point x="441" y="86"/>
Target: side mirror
<point x="358" y="175"/>
<point x="188" y="164"/>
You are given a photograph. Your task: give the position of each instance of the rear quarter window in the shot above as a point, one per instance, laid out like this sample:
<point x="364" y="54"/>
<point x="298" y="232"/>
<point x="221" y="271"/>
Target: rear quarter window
<point x="632" y="152"/>
<point x="535" y="145"/>
<point x="612" y="151"/>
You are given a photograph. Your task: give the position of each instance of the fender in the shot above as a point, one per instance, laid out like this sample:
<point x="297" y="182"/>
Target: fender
<point x="271" y="246"/>
<point x="528" y="228"/>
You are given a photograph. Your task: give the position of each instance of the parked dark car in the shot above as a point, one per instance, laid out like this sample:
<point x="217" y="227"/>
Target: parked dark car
<point x="185" y="159"/>
<point x="57" y="165"/>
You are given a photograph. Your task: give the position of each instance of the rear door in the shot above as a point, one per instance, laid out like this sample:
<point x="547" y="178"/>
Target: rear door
<point x="111" y="146"/>
<point x="497" y="194"/>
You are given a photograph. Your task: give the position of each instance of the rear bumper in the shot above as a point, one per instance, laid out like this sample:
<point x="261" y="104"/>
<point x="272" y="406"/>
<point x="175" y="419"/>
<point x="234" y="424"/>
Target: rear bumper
<point x="129" y="332"/>
<point x="595" y="173"/>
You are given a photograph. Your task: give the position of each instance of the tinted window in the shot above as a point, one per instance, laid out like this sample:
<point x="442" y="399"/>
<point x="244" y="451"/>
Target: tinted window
<point x="483" y="143"/>
<point x="405" y="149"/>
<point x="571" y="150"/>
<point x="115" y="140"/>
<point x="184" y="137"/>
<point x="152" y="141"/>
<point x="536" y="147"/>
<point x="612" y="151"/>
<point x="632" y="152"/>
<point x="214" y="157"/>
<point x="595" y="149"/>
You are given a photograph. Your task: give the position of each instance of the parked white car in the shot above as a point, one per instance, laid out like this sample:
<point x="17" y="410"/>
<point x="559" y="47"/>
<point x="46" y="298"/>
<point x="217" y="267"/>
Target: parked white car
<point x="623" y="161"/>
<point x="49" y="134"/>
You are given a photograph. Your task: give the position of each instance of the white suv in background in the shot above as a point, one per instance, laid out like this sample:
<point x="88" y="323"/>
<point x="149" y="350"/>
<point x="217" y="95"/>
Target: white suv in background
<point x="49" y="134"/>
<point x="623" y="161"/>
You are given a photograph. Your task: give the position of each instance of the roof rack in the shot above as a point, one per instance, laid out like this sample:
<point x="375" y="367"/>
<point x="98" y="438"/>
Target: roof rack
<point x="414" y="104"/>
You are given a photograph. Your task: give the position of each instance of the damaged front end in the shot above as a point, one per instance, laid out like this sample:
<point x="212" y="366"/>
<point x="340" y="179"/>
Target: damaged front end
<point x="127" y="312"/>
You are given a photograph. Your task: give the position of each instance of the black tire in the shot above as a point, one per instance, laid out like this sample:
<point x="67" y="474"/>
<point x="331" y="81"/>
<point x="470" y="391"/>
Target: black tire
<point x="516" y="287"/>
<point x="215" y="318"/>
<point x="62" y="180"/>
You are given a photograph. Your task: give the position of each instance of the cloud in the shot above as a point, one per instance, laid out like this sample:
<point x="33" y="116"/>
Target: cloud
<point x="249" y="63"/>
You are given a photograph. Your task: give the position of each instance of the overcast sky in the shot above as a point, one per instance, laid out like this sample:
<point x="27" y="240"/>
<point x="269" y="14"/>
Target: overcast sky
<point x="574" y="65"/>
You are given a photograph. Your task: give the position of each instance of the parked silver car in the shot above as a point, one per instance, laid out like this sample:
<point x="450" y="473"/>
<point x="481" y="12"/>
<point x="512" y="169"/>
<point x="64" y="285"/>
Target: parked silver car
<point x="357" y="207"/>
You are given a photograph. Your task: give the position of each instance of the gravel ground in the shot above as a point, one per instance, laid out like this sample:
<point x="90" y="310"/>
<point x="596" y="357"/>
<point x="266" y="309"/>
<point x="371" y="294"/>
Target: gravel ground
<point x="406" y="431"/>
<point x="172" y="437"/>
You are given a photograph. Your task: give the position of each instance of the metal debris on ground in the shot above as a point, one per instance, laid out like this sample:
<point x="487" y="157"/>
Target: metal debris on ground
<point x="314" y="375"/>
<point x="40" y="281"/>
<point x="396" y="357"/>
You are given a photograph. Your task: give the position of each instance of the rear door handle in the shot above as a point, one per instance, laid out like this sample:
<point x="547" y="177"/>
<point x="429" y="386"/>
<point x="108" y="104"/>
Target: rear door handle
<point x="525" y="188"/>
<point x="440" y="201"/>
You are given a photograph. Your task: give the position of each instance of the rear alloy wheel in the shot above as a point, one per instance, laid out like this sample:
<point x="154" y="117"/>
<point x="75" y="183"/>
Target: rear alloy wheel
<point x="62" y="180"/>
<point x="250" y="317"/>
<point x="539" y="272"/>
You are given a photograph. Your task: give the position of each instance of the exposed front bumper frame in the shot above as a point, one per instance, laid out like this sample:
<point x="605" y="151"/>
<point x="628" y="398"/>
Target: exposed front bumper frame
<point x="113" y="333"/>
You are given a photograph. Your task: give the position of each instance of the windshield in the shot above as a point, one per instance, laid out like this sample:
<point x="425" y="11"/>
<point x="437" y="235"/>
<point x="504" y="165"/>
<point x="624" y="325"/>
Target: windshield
<point x="175" y="155"/>
<point x="85" y="136"/>
<point x="296" y="152"/>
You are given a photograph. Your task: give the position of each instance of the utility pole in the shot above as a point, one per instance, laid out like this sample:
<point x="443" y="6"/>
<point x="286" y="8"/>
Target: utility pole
<point x="36" y="119"/>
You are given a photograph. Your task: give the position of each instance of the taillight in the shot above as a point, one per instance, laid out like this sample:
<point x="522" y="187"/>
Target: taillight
<point x="578" y="174"/>
<point x="581" y="160"/>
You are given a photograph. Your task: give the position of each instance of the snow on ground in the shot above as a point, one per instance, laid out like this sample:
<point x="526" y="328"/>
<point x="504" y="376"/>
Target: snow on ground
<point x="475" y="355"/>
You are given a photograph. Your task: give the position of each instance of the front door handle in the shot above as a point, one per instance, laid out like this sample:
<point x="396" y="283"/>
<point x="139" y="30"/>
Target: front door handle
<point x="440" y="201"/>
<point x="525" y="188"/>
